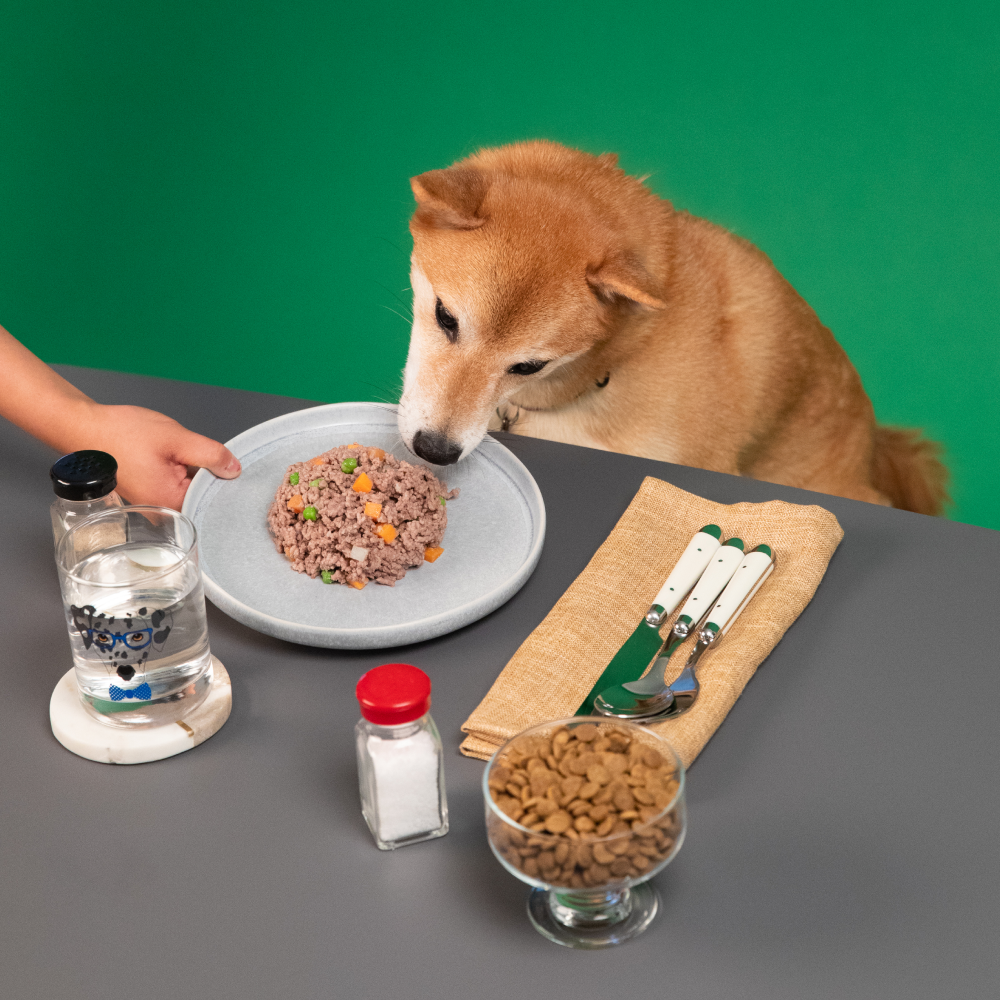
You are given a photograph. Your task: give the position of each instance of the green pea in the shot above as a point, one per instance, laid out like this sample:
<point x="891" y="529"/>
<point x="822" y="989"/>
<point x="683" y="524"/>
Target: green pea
<point x="443" y="501"/>
<point x="348" y="465"/>
<point x="315" y="483"/>
<point x="293" y="479"/>
<point x="326" y="576"/>
<point x="309" y="514"/>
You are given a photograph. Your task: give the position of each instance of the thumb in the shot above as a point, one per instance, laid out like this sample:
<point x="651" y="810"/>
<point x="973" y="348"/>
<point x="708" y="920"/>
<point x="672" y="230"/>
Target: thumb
<point x="204" y="453"/>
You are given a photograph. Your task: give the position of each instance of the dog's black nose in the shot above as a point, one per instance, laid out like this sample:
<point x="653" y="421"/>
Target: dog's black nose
<point x="126" y="673"/>
<point x="436" y="448"/>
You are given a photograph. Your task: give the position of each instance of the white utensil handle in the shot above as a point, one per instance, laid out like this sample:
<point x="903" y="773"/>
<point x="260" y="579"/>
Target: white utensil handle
<point x="751" y="573"/>
<point x="685" y="573"/>
<point x="718" y="573"/>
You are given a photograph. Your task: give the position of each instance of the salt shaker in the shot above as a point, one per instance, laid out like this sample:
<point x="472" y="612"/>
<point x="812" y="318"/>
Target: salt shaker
<point x="84" y="483"/>
<point x="400" y="760"/>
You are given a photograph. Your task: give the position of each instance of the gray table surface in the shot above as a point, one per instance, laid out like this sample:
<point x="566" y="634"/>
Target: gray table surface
<point x="843" y="821"/>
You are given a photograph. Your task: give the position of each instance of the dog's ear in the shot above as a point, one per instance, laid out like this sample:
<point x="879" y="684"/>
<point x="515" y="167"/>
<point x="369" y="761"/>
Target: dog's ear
<point x="450" y="199"/>
<point x="622" y="278"/>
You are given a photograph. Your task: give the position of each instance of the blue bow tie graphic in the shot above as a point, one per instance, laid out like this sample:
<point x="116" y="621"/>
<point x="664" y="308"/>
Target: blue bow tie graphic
<point x="141" y="693"/>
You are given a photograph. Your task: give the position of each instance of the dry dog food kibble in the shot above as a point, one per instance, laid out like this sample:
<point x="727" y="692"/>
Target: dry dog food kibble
<point x="356" y="514"/>
<point x="597" y="805"/>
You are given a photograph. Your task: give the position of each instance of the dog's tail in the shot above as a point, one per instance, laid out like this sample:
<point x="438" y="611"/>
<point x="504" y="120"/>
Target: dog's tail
<point x="907" y="468"/>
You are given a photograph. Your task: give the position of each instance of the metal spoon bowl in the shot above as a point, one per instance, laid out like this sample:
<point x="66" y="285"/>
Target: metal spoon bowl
<point x="622" y="702"/>
<point x="618" y="702"/>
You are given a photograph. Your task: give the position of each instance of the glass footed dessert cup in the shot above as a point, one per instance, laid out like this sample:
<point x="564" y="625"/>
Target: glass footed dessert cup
<point x="586" y="811"/>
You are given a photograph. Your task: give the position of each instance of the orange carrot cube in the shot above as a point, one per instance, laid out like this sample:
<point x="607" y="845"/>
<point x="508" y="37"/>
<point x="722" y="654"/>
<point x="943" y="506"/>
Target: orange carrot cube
<point x="362" y="484"/>
<point x="387" y="533"/>
<point x="376" y="453"/>
<point x="432" y="553"/>
<point x="358" y="584"/>
<point x="318" y="460"/>
<point x="296" y="504"/>
<point x="373" y="510"/>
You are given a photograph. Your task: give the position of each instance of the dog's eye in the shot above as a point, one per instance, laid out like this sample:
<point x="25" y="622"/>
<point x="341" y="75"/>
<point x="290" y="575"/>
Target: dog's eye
<point x="527" y="367"/>
<point x="446" y="321"/>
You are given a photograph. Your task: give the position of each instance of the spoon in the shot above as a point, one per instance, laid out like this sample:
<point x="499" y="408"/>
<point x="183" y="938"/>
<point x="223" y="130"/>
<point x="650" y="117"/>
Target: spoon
<point x="720" y="571"/>
<point x="678" y="697"/>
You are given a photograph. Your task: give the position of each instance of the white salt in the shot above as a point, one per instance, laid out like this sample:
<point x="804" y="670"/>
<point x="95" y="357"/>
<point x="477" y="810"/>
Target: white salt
<point x="406" y="785"/>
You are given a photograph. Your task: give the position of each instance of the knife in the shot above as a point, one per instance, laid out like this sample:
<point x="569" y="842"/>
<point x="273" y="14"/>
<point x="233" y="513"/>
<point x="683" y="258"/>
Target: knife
<point x="644" y="643"/>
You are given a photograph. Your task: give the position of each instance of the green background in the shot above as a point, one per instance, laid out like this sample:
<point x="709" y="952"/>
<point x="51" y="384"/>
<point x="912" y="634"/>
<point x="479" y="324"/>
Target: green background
<point x="218" y="191"/>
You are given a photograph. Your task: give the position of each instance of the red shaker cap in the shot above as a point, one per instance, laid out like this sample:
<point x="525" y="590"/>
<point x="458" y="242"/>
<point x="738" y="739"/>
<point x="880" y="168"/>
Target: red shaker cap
<point x="394" y="693"/>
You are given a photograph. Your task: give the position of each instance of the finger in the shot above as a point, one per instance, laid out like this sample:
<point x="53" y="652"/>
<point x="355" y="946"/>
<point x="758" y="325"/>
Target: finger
<point x="204" y="453"/>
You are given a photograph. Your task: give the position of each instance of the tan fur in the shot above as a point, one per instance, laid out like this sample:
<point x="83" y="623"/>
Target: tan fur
<point x="543" y="253"/>
<point x="907" y="468"/>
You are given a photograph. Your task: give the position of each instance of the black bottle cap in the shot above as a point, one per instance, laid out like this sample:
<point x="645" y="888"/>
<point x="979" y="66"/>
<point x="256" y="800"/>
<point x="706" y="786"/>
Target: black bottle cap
<point x="84" y="475"/>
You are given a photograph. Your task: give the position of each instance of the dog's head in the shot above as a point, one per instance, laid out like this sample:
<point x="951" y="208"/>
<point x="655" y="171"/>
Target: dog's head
<point x="525" y="258"/>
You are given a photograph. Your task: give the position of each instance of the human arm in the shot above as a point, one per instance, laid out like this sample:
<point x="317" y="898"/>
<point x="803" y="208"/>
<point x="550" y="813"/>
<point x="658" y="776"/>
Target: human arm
<point x="154" y="452"/>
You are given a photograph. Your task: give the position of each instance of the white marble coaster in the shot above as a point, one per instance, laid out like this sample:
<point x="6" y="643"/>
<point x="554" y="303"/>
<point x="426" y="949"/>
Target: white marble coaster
<point x="78" y="731"/>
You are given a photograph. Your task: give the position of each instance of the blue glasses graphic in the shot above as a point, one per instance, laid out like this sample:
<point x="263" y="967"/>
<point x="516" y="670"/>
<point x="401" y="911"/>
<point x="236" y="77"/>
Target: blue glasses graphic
<point x="138" y="638"/>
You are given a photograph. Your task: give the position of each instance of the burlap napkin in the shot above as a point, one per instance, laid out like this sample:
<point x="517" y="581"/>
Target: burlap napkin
<point x="552" y="672"/>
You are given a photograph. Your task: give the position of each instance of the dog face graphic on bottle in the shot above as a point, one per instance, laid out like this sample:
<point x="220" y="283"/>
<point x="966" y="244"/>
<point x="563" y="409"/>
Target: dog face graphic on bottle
<point x="123" y="645"/>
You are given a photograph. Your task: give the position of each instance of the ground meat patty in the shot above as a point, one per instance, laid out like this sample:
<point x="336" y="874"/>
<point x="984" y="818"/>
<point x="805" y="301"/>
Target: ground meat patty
<point x="412" y="498"/>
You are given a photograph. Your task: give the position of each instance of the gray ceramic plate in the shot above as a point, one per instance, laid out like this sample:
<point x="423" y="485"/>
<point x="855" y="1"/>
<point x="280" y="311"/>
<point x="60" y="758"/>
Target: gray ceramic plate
<point x="495" y="532"/>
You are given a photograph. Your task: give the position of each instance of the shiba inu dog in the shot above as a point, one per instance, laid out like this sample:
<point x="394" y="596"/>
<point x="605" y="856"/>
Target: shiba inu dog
<point x="555" y="296"/>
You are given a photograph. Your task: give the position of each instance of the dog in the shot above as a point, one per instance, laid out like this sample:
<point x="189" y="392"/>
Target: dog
<point x="558" y="297"/>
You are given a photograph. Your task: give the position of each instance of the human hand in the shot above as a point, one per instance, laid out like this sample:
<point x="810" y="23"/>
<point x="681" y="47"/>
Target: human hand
<point x="156" y="455"/>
